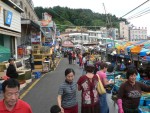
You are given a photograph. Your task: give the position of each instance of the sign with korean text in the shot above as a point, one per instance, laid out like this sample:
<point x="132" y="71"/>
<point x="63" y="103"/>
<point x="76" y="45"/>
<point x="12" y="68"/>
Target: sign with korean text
<point x="7" y="17"/>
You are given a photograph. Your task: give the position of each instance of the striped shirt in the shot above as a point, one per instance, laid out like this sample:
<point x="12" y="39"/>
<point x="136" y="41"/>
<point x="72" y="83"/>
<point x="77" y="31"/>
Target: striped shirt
<point x="69" y="94"/>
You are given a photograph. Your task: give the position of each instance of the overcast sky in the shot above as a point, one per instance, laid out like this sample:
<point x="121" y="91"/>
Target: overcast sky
<point x="115" y="7"/>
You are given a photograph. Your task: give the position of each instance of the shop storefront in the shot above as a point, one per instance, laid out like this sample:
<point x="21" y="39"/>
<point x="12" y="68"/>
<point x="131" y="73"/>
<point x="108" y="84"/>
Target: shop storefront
<point x="10" y="28"/>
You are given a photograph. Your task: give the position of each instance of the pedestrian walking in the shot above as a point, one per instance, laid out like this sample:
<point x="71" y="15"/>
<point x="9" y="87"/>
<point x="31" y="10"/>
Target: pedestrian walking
<point x="80" y="60"/>
<point x="70" y="57"/>
<point x="67" y="94"/>
<point x="11" y="102"/>
<point x="102" y="97"/>
<point x="31" y="60"/>
<point x="87" y="84"/>
<point x="74" y="57"/>
<point x="130" y="92"/>
<point x="53" y="58"/>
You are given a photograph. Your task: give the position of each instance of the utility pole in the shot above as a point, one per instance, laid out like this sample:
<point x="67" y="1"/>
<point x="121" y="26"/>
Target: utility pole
<point x="109" y="22"/>
<point x="107" y="19"/>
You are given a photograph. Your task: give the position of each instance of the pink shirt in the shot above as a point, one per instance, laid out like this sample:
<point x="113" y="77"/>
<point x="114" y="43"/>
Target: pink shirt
<point x="102" y="75"/>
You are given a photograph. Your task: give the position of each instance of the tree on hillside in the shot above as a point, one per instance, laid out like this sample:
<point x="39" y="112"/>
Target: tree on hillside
<point x="64" y="16"/>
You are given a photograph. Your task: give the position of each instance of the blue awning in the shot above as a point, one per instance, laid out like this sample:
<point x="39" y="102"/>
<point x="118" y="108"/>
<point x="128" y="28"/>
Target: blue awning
<point x="143" y="52"/>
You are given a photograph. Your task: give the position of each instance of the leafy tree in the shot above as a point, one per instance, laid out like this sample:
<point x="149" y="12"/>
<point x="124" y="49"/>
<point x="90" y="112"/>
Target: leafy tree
<point x="65" y="17"/>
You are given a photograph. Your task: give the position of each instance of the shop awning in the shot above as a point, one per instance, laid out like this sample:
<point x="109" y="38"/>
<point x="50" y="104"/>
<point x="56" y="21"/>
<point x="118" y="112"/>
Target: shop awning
<point x="28" y="21"/>
<point x="67" y="43"/>
<point x="136" y="49"/>
<point x="122" y="47"/>
<point x="13" y="5"/>
<point x="9" y="32"/>
<point x="143" y="52"/>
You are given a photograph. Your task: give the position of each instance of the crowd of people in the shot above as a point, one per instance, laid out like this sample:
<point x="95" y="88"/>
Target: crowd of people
<point x="129" y="93"/>
<point x="91" y="101"/>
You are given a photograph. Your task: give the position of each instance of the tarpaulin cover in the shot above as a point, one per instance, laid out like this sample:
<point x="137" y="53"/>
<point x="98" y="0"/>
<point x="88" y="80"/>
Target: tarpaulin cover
<point x="122" y="47"/>
<point x="148" y="58"/>
<point x="136" y="49"/>
<point x="143" y="52"/>
<point x="4" y="50"/>
<point x="129" y="47"/>
<point x="67" y="44"/>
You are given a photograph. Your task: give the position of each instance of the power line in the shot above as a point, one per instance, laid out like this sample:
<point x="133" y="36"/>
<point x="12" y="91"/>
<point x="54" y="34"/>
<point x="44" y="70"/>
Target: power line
<point x="139" y="15"/>
<point x="135" y="8"/>
<point x="140" y="12"/>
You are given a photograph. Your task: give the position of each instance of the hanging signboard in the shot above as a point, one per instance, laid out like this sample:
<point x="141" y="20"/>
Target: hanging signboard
<point x="35" y="39"/>
<point x="7" y="17"/>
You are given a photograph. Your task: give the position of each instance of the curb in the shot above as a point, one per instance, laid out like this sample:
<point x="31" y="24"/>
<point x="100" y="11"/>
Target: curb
<point x="35" y="82"/>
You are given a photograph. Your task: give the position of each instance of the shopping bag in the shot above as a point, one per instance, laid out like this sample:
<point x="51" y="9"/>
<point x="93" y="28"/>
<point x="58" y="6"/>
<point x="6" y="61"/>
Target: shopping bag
<point x="100" y="88"/>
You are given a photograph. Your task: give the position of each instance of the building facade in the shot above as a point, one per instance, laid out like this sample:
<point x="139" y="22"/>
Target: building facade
<point x="113" y="33"/>
<point x="124" y="31"/>
<point x="10" y="29"/>
<point x="30" y="30"/>
<point x="137" y="34"/>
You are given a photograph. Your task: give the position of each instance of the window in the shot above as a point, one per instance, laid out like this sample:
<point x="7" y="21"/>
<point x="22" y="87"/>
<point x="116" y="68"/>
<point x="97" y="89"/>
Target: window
<point x="21" y="4"/>
<point x="25" y="9"/>
<point x="29" y="15"/>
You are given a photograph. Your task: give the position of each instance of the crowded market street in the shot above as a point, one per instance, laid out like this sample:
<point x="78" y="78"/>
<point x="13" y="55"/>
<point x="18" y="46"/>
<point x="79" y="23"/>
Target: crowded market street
<point x="43" y="94"/>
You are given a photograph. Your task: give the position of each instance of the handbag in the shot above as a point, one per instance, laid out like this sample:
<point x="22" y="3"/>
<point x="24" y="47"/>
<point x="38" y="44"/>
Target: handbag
<point x="100" y="88"/>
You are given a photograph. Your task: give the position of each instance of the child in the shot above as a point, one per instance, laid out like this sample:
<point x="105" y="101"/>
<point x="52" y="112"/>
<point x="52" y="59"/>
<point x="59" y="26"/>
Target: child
<point x="55" y="109"/>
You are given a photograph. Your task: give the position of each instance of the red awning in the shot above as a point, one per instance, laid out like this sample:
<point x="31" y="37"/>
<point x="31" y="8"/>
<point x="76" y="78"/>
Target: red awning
<point x="67" y="44"/>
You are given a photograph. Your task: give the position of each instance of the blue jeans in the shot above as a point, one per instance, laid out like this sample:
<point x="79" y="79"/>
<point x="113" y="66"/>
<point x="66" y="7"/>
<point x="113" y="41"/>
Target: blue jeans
<point x="103" y="104"/>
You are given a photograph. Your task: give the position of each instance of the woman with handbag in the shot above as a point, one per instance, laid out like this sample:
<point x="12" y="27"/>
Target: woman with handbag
<point x="102" y="97"/>
<point x="87" y="84"/>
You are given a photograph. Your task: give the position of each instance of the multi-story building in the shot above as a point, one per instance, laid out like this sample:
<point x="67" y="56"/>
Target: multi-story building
<point x="30" y="30"/>
<point x="88" y="37"/>
<point x="131" y="33"/>
<point x="137" y="34"/>
<point x="124" y="31"/>
<point x="113" y="33"/>
<point x="79" y="38"/>
<point x="10" y="29"/>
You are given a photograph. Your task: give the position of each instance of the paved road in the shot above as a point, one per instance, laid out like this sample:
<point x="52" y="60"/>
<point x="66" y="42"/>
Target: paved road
<point x="44" y="94"/>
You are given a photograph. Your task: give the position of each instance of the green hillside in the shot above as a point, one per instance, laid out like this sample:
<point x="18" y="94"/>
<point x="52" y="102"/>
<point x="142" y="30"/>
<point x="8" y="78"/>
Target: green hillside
<point x="66" y="17"/>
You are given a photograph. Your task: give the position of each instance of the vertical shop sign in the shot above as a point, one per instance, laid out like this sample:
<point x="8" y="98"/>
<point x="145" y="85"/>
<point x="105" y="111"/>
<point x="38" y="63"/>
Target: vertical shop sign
<point x="7" y="17"/>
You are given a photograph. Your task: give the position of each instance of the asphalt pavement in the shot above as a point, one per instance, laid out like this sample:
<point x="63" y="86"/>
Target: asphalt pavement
<point x="41" y="94"/>
<point x="44" y="93"/>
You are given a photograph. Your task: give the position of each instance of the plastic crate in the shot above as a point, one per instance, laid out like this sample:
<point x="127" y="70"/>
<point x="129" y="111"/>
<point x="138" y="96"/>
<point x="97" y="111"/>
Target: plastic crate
<point x="37" y="74"/>
<point x="147" y="101"/>
<point x="144" y="109"/>
<point x="141" y="103"/>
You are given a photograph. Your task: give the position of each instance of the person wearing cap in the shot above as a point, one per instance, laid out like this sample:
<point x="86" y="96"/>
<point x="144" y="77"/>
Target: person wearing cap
<point x="11" y="70"/>
<point x="87" y="84"/>
<point x="11" y="102"/>
<point x="130" y="92"/>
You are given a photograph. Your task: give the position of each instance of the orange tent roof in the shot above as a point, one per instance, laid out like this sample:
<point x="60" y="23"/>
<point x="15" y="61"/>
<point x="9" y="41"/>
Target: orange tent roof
<point x="136" y="49"/>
